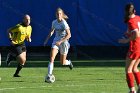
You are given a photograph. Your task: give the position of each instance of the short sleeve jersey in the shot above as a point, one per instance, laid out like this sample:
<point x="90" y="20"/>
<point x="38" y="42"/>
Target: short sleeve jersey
<point x="60" y="29"/>
<point x="20" y="32"/>
<point x="134" y="23"/>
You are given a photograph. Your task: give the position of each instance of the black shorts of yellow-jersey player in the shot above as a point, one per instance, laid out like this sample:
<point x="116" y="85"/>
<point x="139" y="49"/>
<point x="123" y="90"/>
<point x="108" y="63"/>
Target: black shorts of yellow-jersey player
<point x="17" y="49"/>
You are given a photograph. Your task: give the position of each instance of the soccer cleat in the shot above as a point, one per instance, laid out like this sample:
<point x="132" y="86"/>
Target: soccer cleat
<point x="47" y="78"/>
<point x="9" y="59"/>
<point x="71" y="65"/>
<point x="16" y="75"/>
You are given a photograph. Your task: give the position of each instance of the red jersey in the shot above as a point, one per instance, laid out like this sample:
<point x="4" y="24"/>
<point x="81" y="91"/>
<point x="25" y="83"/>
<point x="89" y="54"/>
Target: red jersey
<point x="134" y="23"/>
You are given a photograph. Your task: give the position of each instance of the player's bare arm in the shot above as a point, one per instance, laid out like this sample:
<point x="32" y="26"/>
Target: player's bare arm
<point x="28" y="39"/>
<point x="9" y="34"/>
<point x="50" y="34"/>
<point x="135" y="33"/>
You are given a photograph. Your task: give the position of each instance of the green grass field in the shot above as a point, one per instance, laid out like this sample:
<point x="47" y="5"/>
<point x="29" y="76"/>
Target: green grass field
<point x="79" y="80"/>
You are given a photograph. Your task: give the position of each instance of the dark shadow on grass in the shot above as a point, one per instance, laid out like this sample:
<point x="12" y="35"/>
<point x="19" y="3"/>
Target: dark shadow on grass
<point x="14" y="81"/>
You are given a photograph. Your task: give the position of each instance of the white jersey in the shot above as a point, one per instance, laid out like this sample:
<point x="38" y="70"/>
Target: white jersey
<point x="59" y="28"/>
<point x="60" y="33"/>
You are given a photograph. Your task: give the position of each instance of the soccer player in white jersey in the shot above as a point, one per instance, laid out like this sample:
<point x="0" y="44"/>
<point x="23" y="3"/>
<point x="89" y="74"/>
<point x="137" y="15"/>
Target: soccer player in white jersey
<point x="60" y="42"/>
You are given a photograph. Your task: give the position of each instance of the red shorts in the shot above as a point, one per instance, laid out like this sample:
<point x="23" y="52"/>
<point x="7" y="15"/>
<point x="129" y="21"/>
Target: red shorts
<point x="133" y="55"/>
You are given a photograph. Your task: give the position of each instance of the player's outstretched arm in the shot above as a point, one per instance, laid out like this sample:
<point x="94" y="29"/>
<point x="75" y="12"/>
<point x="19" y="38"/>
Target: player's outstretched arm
<point x="50" y="34"/>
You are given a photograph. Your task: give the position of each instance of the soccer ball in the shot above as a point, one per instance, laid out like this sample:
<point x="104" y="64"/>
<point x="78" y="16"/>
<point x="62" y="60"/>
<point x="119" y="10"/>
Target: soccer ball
<point x="50" y="78"/>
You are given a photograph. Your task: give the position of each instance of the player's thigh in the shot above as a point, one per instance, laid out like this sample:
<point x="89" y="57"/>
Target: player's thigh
<point x="22" y="58"/>
<point x="137" y="62"/>
<point x="129" y="65"/>
<point x="0" y="59"/>
<point x="53" y="53"/>
<point x="133" y="59"/>
<point x="135" y="68"/>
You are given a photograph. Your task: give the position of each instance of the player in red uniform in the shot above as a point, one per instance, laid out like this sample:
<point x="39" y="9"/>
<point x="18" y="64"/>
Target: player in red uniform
<point x="133" y="55"/>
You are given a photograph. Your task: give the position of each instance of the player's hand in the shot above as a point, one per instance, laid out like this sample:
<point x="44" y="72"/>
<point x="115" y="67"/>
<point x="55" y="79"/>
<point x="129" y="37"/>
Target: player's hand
<point x="12" y="42"/>
<point x="58" y="43"/>
<point x="29" y="40"/>
<point x="123" y="41"/>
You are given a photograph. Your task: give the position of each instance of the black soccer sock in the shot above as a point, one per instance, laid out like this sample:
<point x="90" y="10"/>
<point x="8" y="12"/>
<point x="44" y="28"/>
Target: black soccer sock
<point x="19" y="67"/>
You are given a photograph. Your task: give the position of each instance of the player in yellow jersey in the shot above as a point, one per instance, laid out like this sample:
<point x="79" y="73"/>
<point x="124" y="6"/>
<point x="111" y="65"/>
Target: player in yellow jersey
<point x="17" y="36"/>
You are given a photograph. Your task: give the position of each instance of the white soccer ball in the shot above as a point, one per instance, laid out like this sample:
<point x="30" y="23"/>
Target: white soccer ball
<point x="50" y="78"/>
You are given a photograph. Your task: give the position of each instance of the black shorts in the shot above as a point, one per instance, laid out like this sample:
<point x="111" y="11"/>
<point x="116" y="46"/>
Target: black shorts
<point x="18" y="49"/>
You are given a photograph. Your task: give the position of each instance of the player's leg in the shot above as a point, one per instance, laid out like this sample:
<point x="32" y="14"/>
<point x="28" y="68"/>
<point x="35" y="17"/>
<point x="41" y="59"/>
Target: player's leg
<point x="21" y="59"/>
<point x="0" y="59"/>
<point x="0" y="64"/>
<point x="10" y="56"/>
<point x="137" y="74"/>
<point x="53" y="54"/>
<point x="129" y="74"/>
<point x="64" y="47"/>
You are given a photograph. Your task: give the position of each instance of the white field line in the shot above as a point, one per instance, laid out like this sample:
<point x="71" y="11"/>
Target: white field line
<point x="48" y="86"/>
<point x="58" y="86"/>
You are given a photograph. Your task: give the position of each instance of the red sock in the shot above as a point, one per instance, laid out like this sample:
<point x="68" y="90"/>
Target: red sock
<point x="130" y="80"/>
<point x="137" y="77"/>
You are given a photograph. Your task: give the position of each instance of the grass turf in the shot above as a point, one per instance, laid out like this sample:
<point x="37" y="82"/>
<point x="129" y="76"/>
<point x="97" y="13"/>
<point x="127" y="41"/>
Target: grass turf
<point x="78" y="80"/>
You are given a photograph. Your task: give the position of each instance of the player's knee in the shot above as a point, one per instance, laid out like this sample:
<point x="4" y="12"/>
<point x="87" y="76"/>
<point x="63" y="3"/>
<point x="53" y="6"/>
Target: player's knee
<point x="51" y="60"/>
<point x="21" y="65"/>
<point x="22" y="61"/>
<point x="128" y="70"/>
<point x="135" y="69"/>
